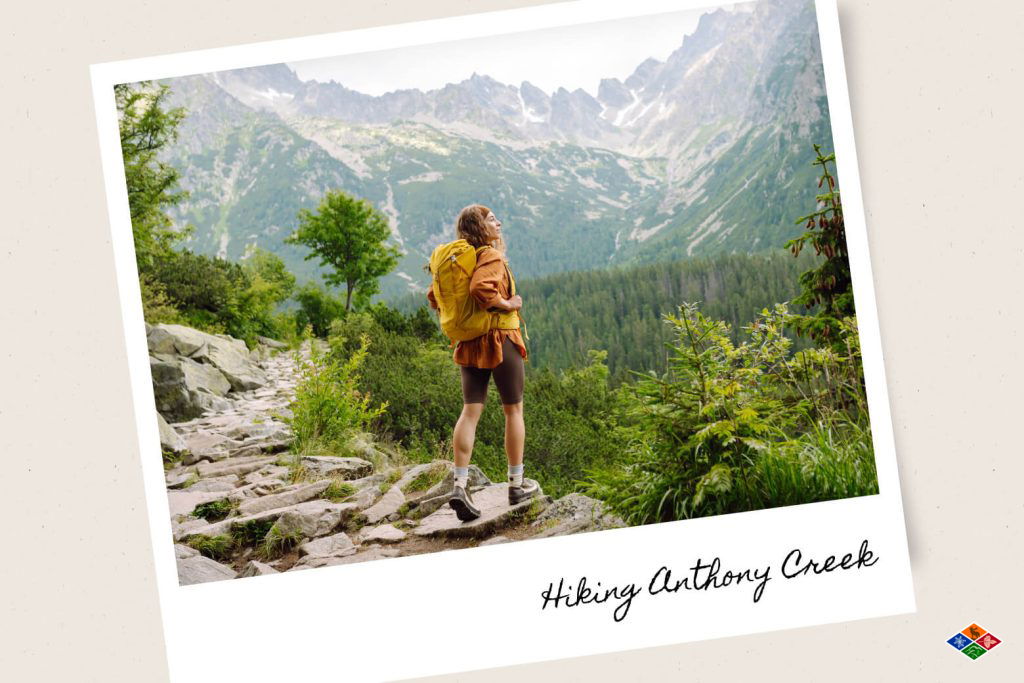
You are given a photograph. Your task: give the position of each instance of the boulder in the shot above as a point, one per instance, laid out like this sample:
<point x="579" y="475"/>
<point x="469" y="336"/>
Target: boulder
<point x="573" y="514"/>
<point x="170" y="440"/>
<point x="495" y="511"/>
<point x="175" y="339"/>
<point x="314" y="518"/>
<point x="199" y="569"/>
<point x="339" y="468"/>
<point x="388" y="504"/>
<point x="183" y="389"/>
<point x="385" y="533"/>
<point x="204" y="445"/>
<point x="232" y="358"/>
<point x="228" y="355"/>
<point x="338" y="545"/>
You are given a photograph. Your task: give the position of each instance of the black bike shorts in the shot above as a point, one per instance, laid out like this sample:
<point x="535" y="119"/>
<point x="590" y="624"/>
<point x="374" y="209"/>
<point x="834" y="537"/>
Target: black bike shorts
<point x="509" y="377"/>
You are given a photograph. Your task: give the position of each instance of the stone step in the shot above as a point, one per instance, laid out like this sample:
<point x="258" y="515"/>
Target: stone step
<point x="495" y="514"/>
<point x="284" y="499"/>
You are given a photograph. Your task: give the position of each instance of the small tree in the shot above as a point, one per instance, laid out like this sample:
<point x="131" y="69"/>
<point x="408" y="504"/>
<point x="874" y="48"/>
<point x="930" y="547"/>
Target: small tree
<point x="828" y="286"/>
<point x="147" y="127"/>
<point x="348" y="234"/>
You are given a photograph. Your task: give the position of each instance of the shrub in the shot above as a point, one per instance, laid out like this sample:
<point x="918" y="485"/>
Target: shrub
<point x="317" y="309"/>
<point x="571" y="418"/>
<point x="329" y="408"/>
<point x="731" y="428"/>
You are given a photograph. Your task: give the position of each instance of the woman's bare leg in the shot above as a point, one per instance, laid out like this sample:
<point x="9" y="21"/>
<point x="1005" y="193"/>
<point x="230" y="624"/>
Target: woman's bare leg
<point x="465" y="433"/>
<point x="515" y="432"/>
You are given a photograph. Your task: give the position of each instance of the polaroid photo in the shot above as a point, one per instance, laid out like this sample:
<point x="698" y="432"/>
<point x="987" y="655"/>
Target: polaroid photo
<point x="640" y="222"/>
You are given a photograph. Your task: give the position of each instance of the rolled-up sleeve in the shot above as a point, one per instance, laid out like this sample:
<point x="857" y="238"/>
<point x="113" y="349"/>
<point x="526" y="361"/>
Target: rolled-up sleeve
<point x="486" y="284"/>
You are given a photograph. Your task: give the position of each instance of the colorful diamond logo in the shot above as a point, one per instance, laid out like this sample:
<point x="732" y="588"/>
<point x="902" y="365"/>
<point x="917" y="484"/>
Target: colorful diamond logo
<point x="959" y="641"/>
<point x="974" y="650"/>
<point x="974" y="641"/>
<point x="974" y="632"/>
<point x="988" y="641"/>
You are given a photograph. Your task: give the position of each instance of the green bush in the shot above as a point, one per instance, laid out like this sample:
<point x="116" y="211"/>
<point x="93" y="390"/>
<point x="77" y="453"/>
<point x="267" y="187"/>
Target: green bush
<point x="572" y="418"/>
<point x="317" y="309"/>
<point x="742" y="427"/>
<point x="219" y="296"/>
<point x="329" y="408"/>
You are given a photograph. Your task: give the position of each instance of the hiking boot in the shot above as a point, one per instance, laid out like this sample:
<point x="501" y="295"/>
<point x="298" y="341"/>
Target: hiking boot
<point x="463" y="505"/>
<point x="517" y="494"/>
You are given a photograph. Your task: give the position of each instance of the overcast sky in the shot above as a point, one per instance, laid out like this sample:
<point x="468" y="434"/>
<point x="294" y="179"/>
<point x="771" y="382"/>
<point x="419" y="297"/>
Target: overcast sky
<point x="570" y="57"/>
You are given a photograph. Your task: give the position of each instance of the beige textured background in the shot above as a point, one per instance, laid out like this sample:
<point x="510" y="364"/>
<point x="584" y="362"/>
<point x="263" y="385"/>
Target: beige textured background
<point x="936" y="95"/>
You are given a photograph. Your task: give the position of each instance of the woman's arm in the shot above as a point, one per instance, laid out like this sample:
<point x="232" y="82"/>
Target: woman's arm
<point x="487" y="285"/>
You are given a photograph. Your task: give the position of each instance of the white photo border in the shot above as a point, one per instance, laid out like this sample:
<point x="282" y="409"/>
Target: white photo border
<point x="392" y="619"/>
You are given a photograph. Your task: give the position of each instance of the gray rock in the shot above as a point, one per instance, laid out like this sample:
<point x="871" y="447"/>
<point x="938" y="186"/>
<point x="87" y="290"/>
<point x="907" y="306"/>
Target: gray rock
<point x="231" y="357"/>
<point x="338" y="545"/>
<point x="254" y="433"/>
<point x="340" y="468"/>
<point x="203" y="377"/>
<point x="272" y="343"/>
<point x="385" y="533"/>
<point x="199" y="569"/>
<point x="188" y="527"/>
<point x="184" y="389"/>
<point x="298" y="494"/>
<point x="184" y="502"/>
<point x="255" y="568"/>
<point x="222" y="484"/>
<point x="176" y="339"/>
<point x="183" y="552"/>
<point x="170" y="440"/>
<point x="314" y="518"/>
<point x="373" y="552"/>
<point x="266" y="472"/>
<point x="573" y="514"/>
<point x="495" y="540"/>
<point x="204" y="445"/>
<point x="178" y="477"/>
<point x="389" y="503"/>
<point x="237" y="466"/>
<point x="495" y="514"/>
<point x="365" y="497"/>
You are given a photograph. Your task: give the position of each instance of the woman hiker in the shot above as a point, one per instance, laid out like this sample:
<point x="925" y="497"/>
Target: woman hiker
<point x="498" y="351"/>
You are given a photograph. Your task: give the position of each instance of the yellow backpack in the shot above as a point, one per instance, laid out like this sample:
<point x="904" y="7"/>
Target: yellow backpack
<point x="462" y="317"/>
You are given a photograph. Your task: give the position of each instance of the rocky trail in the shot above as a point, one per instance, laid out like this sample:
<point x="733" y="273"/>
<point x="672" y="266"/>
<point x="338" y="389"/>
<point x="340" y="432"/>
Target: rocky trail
<point x="241" y="504"/>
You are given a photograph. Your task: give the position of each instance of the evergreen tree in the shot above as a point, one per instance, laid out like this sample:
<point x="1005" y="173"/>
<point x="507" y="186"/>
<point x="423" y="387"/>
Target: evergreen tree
<point x="828" y="286"/>
<point x="146" y="127"/>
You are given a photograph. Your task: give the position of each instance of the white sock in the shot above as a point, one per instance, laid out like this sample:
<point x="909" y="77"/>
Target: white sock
<point x="515" y="475"/>
<point x="461" y="476"/>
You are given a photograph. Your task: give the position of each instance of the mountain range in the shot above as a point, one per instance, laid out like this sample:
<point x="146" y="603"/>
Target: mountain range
<point x="706" y="152"/>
